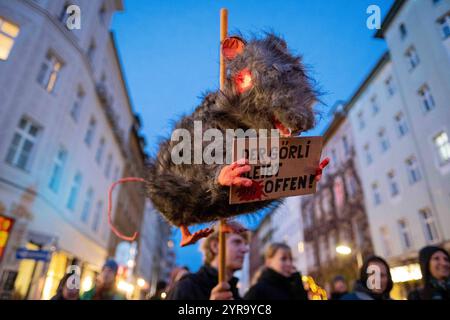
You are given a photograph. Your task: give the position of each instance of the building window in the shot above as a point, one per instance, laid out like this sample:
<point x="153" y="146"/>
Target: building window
<point x="444" y="26"/>
<point x="346" y="145"/>
<point x="384" y="141"/>
<point x="87" y="205"/>
<point x="48" y="74"/>
<point x="386" y="241"/>
<point x="323" y="249"/>
<point x="91" y="51"/>
<point x="404" y="234"/>
<point x="334" y="158"/>
<point x="403" y="31"/>
<point x="412" y="168"/>
<point x="429" y="226"/>
<point x="376" y="194"/>
<point x="74" y="190"/>
<point x="8" y="34"/>
<point x="368" y="154"/>
<point x="90" y="132"/>
<point x="22" y="144"/>
<point x="412" y="58"/>
<point x="57" y="171"/>
<point x="350" y="183"/>
<point x="116" y="173"/>
<point x="393" y="185"/>
<point x="102" y="14"/>
<point x="76" y="107"/>
<point x="108" y="166"/>
<point x="100" y="149"/>
<point x="361" y="121"/>
<point x="375" y="106"/>
<point x="332" y="243"/>
<point x="98" y="213"/>
<point x="402" y="127"/>
<point x="427" y="99"/>
<point x="390" y="87"/>
<point x="442" y="147"/>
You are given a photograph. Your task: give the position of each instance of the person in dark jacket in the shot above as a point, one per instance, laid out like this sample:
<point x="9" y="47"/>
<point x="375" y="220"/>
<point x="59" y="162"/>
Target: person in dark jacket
<point x="339" y="288"/>
<point x="278" y="280"/>
<point x="67" y="290"/>
<point x="203" y="285"/>
<point x="375" y="281"/>
<point x="105" y="286"/>
<point x="435" y="267"/>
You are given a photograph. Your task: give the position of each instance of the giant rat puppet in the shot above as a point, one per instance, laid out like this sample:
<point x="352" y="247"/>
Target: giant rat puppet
<point x="266" y="88"/>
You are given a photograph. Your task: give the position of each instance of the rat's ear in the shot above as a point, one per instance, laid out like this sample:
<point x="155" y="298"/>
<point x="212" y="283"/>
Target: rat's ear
<point x="232" y="46"/>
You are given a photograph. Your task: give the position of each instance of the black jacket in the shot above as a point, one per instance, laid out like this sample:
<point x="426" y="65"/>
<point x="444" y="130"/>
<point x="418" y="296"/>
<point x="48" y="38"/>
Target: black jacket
<point x="432" y="289"/>
<point x="273" y="286"/>
<point x="198" y="286"/>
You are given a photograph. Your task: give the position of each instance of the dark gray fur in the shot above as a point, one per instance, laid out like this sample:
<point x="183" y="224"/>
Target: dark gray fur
<point x="188" y="194"/>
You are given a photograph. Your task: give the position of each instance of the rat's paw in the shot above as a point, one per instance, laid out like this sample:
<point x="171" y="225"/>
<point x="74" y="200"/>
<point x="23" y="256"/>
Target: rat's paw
<point x="188" y="238"/>
<point x="322" y="166"/>
<point x="231" y="174"/>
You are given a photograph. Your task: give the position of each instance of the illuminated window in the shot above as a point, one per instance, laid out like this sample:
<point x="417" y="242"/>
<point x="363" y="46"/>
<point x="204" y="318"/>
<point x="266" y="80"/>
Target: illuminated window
<point x="57" y="171"/>
<point x="22" y="144"/>
<point x="442" y="147"/>
<point x="74" y="190"/>
<point x="8" y="34"/>
<point x="48" y="74"/>
<point x="87" y="205"/>
<point x="90" y="132"/>
<point x="429" y="226"/>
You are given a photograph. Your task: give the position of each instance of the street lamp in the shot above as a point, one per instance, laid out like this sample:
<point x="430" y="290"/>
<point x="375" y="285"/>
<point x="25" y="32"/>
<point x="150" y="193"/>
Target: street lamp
<point x="346" y="250"/>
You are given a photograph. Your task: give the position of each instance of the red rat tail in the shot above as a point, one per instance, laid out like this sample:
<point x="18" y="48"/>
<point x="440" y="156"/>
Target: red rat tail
<point x="117" y="232"/>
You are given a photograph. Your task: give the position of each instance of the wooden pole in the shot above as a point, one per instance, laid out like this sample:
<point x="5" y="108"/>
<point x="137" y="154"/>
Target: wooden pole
<point x="222" y="235"/>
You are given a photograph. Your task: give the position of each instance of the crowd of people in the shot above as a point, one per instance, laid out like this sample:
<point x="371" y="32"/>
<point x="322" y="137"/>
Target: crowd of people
<point x="277" y="279"/>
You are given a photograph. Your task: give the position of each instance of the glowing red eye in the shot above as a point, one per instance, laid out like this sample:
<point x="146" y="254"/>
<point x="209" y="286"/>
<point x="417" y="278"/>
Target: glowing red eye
<point x="243" y="80"/>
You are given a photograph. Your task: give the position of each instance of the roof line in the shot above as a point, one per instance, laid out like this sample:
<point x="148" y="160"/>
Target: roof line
<point x="398" y="4"/>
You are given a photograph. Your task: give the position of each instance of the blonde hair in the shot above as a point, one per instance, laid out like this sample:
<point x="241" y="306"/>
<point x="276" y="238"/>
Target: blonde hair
<point x="205" y="247"/>
<point x="272" y="249"/>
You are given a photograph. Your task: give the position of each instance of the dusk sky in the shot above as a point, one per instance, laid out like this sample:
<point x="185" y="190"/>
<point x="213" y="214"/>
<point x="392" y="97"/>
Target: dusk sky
<point x="170" y="54"/>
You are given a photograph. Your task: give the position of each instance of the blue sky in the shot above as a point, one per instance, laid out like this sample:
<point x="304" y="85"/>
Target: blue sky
<point x="170" y="54"/>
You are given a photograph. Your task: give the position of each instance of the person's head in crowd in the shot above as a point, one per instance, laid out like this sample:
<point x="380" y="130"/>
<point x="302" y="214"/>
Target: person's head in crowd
<point x="434" y="264"/>
<point x="278" y="257"/>
<point x="67" y="289"/>
<point x="176" y="274"/>
<point x="237" y="246"/>
<point x="339" y="284"/>
<point x="107" y="276"/>
<point x="375" y="276"/>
